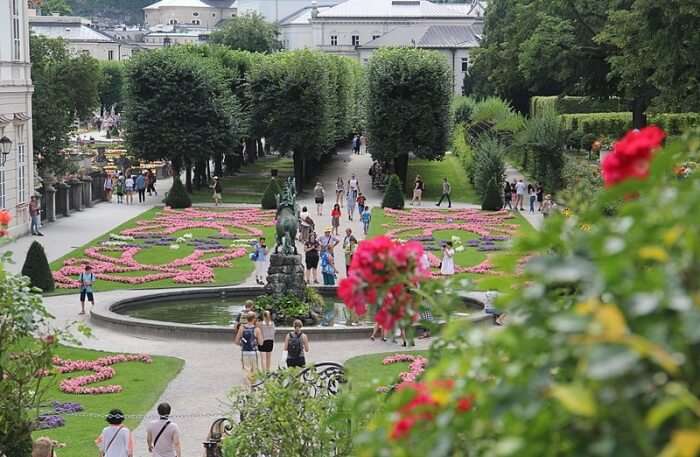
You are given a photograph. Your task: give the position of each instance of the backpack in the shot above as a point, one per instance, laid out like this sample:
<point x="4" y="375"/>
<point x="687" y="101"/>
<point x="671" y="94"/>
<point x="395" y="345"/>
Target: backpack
<point x="248" y="339"/>
<point x="295" y="346"/>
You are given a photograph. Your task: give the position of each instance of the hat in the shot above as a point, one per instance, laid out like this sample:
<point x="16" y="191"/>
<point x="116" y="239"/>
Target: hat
<point x="216" y="177"/>
<point x="328" y="229"/>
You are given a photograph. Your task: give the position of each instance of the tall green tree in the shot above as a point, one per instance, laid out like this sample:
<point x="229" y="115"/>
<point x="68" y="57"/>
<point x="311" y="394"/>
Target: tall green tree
<point x="248" y="32"/>
<point x="111" y="88"/>
<point x="408" y="106"/>
<point x="65" y="88"/>
<point x="56" y="6"/>
<point x="179" y="108"/>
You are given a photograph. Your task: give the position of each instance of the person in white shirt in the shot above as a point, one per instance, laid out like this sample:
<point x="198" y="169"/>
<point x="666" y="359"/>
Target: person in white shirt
<point x="115" y="440"/>
<point x="162" y="435"/>
<point x="354" y="186"/>
<point x="520" y="189"/>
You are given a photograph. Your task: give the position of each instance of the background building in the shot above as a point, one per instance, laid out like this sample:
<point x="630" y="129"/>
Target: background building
<point x="17" y="168"/>
<point x="277" y="10"/>
<point x="206" y="14"/>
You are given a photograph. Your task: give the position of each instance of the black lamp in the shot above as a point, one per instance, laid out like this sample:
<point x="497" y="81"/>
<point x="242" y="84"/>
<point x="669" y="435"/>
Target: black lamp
<point x="5" y="147"/>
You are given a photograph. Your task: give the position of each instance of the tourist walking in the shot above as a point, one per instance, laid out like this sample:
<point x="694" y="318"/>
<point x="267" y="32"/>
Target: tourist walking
<point x="87" y="281"/>
<point x="361" y="200"/>
<point x="335" y="218"/>
<point x="547" y="205"/>
<point x="328" y="242"/>
<point x="115" y="439"/>
<point x="354" y="186"/>
<point x="349" y="247"/>
<point x="446" y="191"/>
<point x="247" y="338"/>
<point x="260" y="259"/>
<point x="151" y="182"/>
<point x="377" y="329"/>
<point x="507" y="196"/>
<point x="540" y="196"/>
<point x="306" y="224"/>
<point x="35" y="215"/>
<point x="129" y="189"/>
<point x="267" y="329"/>
<point x="107" y="187"/>
<point x="328" y="269"/>
<point x="520" y="189"/>
<point x="296" y="345"/>
<point x="417" y="190"/>
<point x="163" y="435"/>
<point x="217" y="194"/>
<point x="141" y="187"/>
<point x="363" y="144"/>
<point x="356" y="144"/>
<point x="532" y="194"/>
<point x="447" y="268"/>
<point x="351" y="201"/>
<point x="319" y="196"/>
<point x="339" y="191"/>
<point x="311" y="249"/>
<point x="119" y="188"/>
<point x="366" y="218"/>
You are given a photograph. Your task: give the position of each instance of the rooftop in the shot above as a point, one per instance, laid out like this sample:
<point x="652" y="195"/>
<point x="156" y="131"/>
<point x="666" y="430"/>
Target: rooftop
<point x="428" y="36"/>
<point x="303" y="16"/>
<point x="193" y="4"/>
<point x="399" y="9"/>
<point x="70" y="28"/>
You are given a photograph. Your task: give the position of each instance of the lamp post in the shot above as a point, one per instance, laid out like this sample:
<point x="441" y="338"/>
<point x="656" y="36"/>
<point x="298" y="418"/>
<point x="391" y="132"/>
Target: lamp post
<point x="5" y="147"/>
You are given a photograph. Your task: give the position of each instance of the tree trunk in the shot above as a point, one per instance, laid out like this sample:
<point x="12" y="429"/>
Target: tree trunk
<point x="188" y="176"/>
<point x="401" y="167"/>
<point x="268" y="148"/>
<point x="299" y="170"/>
<point x="261" y="151"/>
<point x="251" y="153"/>
<point x="176" y="163"/>
<point x="639" y="119"/>
<point x="218" y="164"/>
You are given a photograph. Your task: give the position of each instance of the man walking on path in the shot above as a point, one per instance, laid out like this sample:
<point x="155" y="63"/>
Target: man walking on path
<point x="141" y="186"/>
<point x="446" y="190"/>
<point x="87" y="279"/>
<point x="520" y="189"/>
<point x="163" y="436"/>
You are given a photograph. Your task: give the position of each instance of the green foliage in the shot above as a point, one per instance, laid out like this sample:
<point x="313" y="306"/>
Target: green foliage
<point x="489" y="164"/>
<point x="269" y="198"/>
<point x="463" y="151"/>
<point x="582" y="183"/>
<point x="123" y="11"/>
<point x="111" y="88"/>
<point x="494" y="116"/>
<point x="616" y="124"/>
<point x="315" y="300"/>
<point x="179" y="107"/>
<point x="575" y="105"/>
<point x="178" y="197"/>
<point x="59" y="7"/>
<point x="493" y="200"/>
<point x="286" y="417"/>
<point x="248" y="32"/>
<point x="65" y="87"/>
<point x="284" y="309"/>
<point x="542" y="143"/>
<point x="393" y="194"/>
<point x="24" y="319"/>
<point x="587" y="140"/>
<point x="36" y="268"/>
<point x="408" y="106"/>
<point x="463" y="107"/>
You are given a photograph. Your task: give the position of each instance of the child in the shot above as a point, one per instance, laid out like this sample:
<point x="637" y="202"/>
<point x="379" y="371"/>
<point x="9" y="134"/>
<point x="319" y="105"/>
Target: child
<point x="366" y="218"/>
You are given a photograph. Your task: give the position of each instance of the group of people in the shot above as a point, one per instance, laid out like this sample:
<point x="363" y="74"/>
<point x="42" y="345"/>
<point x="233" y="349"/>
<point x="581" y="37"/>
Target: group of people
<point x="124" y="185"/>
<point x="419" y="187"/>
<point x="516" y="193"/>
<point x="359" y="144"/>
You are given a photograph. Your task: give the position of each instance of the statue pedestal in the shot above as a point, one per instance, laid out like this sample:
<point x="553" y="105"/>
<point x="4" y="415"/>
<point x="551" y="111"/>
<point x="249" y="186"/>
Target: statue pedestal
<point x="285" y="275"/>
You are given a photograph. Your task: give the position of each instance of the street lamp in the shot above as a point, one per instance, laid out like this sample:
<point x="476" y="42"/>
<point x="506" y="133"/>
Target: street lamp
<point x="5" y="146"/>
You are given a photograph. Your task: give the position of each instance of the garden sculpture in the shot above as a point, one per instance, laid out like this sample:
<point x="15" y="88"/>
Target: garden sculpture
<point x="287" y="219"/>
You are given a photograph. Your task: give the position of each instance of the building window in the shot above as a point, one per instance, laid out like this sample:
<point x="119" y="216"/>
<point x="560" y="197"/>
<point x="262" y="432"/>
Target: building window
<point x="374" y="37"/>
<point x="195" y="14"/>
<point x="172" y="21"/>
<point x="110" y="55"/>
<point x="16" y="41"/>
<point x="213" y="14"/>
<point x="166" y="42"/>
<point x="465" y="64"/>
<point x="21" y="166"/>
<point x="356" y="40"/>
<point x="334" y="40"/>
<point x="195" y="22"/>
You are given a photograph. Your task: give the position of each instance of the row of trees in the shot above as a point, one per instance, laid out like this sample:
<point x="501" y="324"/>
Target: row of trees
<point x="638" y="50"/>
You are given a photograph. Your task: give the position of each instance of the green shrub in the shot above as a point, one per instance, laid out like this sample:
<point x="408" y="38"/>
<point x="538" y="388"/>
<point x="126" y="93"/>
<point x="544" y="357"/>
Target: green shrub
<point x="462" y="150"/>
<point x="463" y="108"/>
<point x="177" y="197"/>
<point x="36" y="268"/>
<point x="581" y="182"/>
<point x="575" y="105"/>
<point x="675" y="123"/>
<point x="492" y="200"/>
<point x="496" y="117"/>
<point x="393" y="195"/>
<point x="617" y="124"/>
<point x="284" y="308"/>
<point x="269" y="198"/>
<point x="489" y="164"/>
<point x="542" y="142"/>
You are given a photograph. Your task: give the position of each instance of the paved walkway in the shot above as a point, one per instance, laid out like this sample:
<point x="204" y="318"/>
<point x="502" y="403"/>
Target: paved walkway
<point x="535" y="219"/>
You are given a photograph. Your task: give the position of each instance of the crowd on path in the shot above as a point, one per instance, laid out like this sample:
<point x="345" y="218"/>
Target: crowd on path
<point x="517" y="194"/>
<point x="124" y="185"/>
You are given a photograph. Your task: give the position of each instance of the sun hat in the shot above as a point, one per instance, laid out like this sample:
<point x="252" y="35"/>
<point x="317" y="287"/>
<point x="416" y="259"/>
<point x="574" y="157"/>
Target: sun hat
<point x="328" y="229"/>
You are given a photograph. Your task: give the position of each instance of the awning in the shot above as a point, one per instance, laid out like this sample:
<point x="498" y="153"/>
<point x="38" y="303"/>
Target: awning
<point x="22" y="117"/>
<point x="6" y="118"/>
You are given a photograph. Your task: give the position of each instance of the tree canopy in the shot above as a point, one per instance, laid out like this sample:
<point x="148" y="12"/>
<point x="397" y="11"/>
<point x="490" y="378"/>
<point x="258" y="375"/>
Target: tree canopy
<point x="248" y="32"/>
<point x="111" y="88"/>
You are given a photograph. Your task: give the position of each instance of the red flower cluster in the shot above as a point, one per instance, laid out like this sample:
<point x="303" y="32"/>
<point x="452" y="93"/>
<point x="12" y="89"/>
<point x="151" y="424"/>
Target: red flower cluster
<point x="631" y="155"/>
<point x="382" y="272"/>
<point x="428" y="400"/>
<point x="5" y="218"/>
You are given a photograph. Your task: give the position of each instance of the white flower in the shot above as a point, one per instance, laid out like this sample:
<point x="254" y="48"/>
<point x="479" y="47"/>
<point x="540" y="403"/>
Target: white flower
<point x="174" y="247"/>
<point x="456" y="239"/>
<point x="187" y="236"/>
<point x="459" y="248"/>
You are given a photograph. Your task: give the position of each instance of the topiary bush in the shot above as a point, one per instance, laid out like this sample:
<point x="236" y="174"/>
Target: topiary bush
<point x="463" y="108"/>
<point x="269" y="198"/>
<point x="177" y="197"/>
<point x="36" y="268"/>
<point x="489" y="163"/>
<point x="492" y="200"/>
<point x="393" y="195"/>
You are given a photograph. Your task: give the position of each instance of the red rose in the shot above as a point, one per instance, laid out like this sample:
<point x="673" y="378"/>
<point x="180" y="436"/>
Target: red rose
<point x="464" y="404"/>
<point x="402" y="427"/>
<point x="630" y="156"/>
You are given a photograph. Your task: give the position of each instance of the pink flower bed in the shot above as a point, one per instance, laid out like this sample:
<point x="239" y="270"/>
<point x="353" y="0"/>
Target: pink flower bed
<point x="102" y="371"/>
<point x="415" y="368"/>
<point x="192" y="269"/>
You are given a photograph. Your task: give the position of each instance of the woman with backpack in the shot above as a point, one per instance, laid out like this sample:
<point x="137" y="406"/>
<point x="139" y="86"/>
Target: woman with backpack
<point x="247" y="338"/>
<point x="296" y="344"/>
<point x="115" y="440"/>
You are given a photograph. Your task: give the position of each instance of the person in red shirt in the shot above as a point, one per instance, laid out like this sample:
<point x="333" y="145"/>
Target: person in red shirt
<point x="335" y="218"/>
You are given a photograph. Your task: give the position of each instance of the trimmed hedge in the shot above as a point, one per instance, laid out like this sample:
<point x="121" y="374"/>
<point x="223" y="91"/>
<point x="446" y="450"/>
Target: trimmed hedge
<point x="616" y="124"/>
<point x="393" y="195"/>
<point x="178" y="198"/>
<point x="36" y="268"/>
<point x="269" y="198"/>
<point x="575" y="105"/>
<point x="492" y="200"/>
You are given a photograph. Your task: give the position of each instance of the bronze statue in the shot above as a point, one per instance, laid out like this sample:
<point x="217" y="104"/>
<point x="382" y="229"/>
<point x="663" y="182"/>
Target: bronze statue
<point x="287" y="219"/>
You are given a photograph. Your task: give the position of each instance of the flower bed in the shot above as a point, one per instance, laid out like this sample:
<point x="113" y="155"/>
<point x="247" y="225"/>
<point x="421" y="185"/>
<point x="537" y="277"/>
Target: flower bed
<point x="117" y="255"/>
<point x="415" y="368"/>
<point x="102" y="368"/>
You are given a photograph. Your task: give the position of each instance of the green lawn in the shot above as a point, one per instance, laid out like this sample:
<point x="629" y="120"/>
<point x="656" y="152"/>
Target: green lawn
<point x="142" y="385"/>
<point x="368" y="371"/>
<point x="467" y="258"/>
<point x="433" y="172"/>
<point x="238" y="271"/>
<point x="249" y="184"/>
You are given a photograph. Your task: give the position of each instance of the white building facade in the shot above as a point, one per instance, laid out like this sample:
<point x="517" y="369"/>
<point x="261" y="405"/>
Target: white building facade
<point x="206" y="14"/>
<point x="17" y="168"/>
<point x="277" y="10"/>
